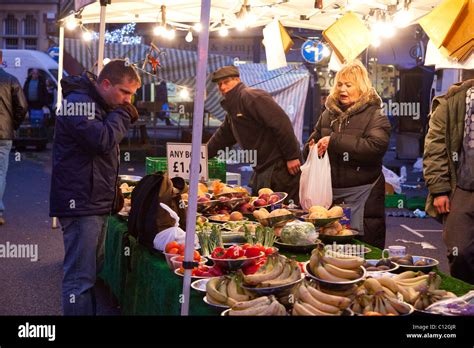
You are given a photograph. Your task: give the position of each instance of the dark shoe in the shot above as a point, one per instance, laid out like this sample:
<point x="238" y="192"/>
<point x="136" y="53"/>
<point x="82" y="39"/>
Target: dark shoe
<point x="2" y="221"/>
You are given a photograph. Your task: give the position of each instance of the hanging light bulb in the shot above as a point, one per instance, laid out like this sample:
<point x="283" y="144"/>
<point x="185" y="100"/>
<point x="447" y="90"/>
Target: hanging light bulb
<point x="189" y="36"/>
<point x="184" y="93"/>
<point x="223" y="31"/>
<point x="71" y="24"/>
<point x="87" y="36"/>
<point x="250" y="17"/>
<point x="159" y="30"/>
<point x="240" y="25"/>
<point x="197" y="27"/>
<point x="170" y="33"/>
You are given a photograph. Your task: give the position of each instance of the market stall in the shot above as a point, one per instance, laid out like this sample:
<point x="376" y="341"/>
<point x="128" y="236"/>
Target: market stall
<point x="144" y="284"/>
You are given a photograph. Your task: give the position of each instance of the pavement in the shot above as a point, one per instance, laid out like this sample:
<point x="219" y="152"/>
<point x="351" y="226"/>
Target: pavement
<point x="34" y="287"/>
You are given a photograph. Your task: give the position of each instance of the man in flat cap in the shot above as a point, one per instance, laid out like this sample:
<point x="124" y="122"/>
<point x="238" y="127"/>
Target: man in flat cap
<point x="256" y="122"/>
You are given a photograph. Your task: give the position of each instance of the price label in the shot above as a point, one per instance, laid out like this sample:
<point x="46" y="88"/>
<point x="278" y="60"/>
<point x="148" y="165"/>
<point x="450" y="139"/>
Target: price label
<point x="179" y="161"/>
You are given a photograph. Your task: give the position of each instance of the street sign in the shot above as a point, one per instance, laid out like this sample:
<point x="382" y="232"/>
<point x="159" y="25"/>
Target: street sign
<point x="312" y="51"/>
<point x="179" y="161"/>
<point x="53" y="52"/>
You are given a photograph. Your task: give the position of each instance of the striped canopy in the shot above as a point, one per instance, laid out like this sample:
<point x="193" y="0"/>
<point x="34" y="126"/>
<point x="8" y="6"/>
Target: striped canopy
<point x="287" y="85"/>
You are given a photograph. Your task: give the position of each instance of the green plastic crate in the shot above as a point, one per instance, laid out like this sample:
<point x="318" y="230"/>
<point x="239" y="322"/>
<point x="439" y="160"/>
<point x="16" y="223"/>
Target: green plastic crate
<point x="396" y="201"/>
<point x="416" y="203"/>
<point x="216" y="169"/>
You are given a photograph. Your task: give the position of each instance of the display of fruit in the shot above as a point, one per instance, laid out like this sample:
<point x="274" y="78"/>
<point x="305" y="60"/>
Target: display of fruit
<point x="312" y="301"/>
<point x="277" y="271"/>
<point x="318" y="212"/>
<point x="335" y="267"/>
<point x="381" y="265"/>
<point x="246" y="208"/>
<point x="372" y="299"/>
<point x="265" y="190"/>
<point x="261" y="213"/>
<point x="261" y="306"/>
<point x="204" y="271"/>
<point x="236" y="216"/>
<point x="226" y="290"/>
<point x="421" y="290"/>
<point x="265" y="199"/>
<point x="406" y="260"/>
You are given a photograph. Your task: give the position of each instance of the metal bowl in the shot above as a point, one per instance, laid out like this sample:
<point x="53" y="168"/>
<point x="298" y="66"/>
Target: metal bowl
<point x="277" y="220"/>
<point x="234" y="264"/>
<point x="320" y="222"/>
<point x="130" y="179"/>
<point x="373" y="262"/>
<point x="200" y="284"/>
<point x="216" y="305"/>
<point x="278" y="291"/>
<point x="432" y="263"/>
<point x="327" y="239"/>
<point x="334" y="285"/>
<point x="282" y="196"/>
<point x="296" y="248"/>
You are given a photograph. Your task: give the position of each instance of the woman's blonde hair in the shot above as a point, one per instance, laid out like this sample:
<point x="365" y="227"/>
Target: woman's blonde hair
<point x="356" y="72"/>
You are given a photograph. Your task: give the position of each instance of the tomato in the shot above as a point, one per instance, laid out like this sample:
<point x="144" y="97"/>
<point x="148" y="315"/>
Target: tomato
<point x="198" y="272"/>
<point x="171" y="245"/>
<point x="181" y="249"/>
<point x="180" y="258"/>
<point x="246" y="246"/>
<point x="234" y="252"/>
<point x="197" y="256"/>
<point x="252" y="251"/>
<point x="174" y="251"/>
<point x="269" y="251"/>
<point x="218" y="253"/>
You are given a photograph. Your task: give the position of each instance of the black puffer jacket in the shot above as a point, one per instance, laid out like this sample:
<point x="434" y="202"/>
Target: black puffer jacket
<point x="13" y="105"/>
<point x="359" y="140"/>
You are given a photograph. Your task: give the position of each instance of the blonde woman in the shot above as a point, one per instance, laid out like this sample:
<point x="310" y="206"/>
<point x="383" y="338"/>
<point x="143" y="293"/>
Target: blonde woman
<point x="355" y="133"/>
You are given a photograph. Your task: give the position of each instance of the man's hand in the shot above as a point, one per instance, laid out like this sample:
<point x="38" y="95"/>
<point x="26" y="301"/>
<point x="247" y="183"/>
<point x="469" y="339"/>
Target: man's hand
<point x="131" y="111"/>
<point x="323" y="144"/>
<point x="441" y="203"/>
<point x="311" y="143"/>
<point x="293" y="166"/>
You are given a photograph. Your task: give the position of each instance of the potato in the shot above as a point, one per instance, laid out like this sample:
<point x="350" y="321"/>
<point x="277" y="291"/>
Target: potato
<point x="335" y="211"/>
<point x="330" y="231"/>
<point x="317" y="208"/>
<point x="318" y="215"/>
<point x="279" y="212"/>
<point x="344" y="232"/>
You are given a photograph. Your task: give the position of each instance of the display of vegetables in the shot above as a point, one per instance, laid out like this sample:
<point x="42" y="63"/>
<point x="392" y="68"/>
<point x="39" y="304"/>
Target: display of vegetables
<point x="209" y="236"/>
<point x="300" y="233"/>
<point x="263" y="235"/>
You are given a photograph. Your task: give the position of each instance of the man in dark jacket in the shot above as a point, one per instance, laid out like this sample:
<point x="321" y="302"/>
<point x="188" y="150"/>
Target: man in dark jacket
<point x="13" y="108"/>
<point x="257" y="123"/>
<point x="92" y="120"/>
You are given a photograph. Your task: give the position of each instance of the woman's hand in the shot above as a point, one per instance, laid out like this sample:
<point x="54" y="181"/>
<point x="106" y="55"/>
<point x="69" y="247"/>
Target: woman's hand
<point x="323" y="144"/>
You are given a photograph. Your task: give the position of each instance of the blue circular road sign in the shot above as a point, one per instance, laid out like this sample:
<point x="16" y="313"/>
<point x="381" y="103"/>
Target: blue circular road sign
<point x="312" y="51"/>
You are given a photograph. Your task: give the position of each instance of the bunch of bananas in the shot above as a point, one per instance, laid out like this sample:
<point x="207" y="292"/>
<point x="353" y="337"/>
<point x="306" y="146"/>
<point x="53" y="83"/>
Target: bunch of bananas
<point x="277" y="271"/>
<point x="266" y="305"/>
<point x="334" y="267"/>
<point x="421" y="290"/>
<point x="312" y="301"/>
<point x="378" y="297"/>
<point x="226" y="291"/>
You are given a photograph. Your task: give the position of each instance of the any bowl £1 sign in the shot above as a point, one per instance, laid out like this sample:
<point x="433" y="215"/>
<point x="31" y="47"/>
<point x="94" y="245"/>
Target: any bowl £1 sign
<point x="179" y="161"/>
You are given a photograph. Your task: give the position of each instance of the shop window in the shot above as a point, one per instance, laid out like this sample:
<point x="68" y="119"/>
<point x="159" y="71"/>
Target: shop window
<point x="11" y="44"/>
<point x="30" y="44"/>
<point x="11" y="25"/>
<point x="29" y="25"/>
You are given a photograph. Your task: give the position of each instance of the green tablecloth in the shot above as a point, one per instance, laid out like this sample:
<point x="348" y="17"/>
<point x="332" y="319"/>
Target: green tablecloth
<point x="144" y="285"/>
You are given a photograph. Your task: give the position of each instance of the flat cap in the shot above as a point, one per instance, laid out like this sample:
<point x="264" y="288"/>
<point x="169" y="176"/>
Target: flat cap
<point x="226" y="71"/>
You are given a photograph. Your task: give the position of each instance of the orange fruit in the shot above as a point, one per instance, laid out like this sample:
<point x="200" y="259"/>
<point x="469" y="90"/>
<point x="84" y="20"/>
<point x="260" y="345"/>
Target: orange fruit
<point x="171" y="245"/>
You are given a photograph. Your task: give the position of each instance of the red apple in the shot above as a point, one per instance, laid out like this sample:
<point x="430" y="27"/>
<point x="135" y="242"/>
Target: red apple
<point x="247" y="208"/>
<point x="273" y="199"/>
<point x="260" y="202"/>
<point x="264" y="196"/>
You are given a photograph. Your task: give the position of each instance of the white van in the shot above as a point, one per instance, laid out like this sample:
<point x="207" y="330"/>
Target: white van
<point x="20" y="62"/>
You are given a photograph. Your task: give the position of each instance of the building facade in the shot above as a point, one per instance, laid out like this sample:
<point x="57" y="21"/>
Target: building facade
<point x="26" y="24"/>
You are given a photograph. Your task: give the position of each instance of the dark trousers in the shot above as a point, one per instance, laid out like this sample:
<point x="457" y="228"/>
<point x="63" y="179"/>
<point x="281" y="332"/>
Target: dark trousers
<point x="458" y="234"/>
